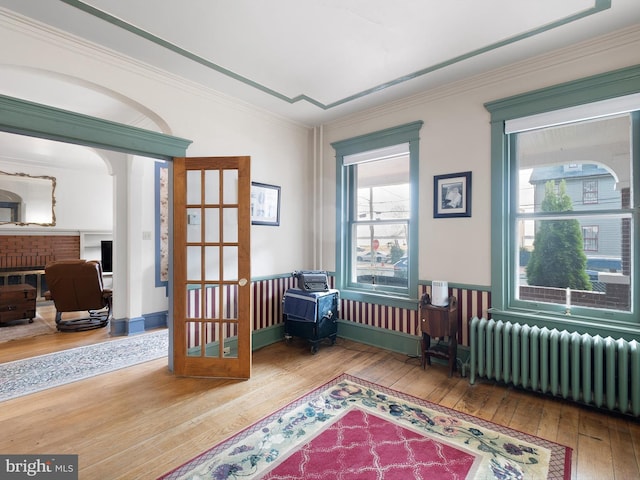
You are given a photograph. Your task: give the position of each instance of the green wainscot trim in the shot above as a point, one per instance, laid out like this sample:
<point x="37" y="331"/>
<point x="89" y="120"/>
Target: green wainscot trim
<point x="397" y="342"/>
<point x="461" y="286"/>
<point x="212" y="349"/>
<point x="267" y="336"/>
<point x="378" y="337"/>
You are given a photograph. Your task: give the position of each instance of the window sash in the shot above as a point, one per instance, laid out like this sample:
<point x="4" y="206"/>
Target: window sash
<point x="589" y="191"/>
<point x="590" y="235"/>
<point x="378" y="276"/>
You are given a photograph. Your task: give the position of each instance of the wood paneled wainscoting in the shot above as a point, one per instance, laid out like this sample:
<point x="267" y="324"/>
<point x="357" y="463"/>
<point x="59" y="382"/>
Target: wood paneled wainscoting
<point x="472" y="301"/>
<point x="379" y="325"/>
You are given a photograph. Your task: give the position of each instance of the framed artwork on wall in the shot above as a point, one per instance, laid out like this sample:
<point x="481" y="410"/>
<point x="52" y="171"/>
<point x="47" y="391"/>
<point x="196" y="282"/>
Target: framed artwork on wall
<point x="452" y="195"/>
<point x="265" y="204"/>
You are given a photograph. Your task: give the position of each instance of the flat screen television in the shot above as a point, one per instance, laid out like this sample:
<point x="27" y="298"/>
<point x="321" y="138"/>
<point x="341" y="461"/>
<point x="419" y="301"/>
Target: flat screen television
<point x="106" y="251"/>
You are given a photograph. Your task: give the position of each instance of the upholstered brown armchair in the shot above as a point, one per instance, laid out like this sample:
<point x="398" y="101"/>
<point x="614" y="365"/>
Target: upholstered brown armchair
<point x="75" y="286"/>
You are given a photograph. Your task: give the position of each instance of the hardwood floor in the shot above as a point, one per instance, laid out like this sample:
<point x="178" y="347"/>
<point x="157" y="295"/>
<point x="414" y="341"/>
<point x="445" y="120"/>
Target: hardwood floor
<point x="41" y="345"/>
<point x="142" y="421"/>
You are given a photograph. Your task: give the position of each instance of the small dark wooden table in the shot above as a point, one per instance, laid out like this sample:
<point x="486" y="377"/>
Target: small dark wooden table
<point x="17" y="302"/>
<point x="439" y="322"/>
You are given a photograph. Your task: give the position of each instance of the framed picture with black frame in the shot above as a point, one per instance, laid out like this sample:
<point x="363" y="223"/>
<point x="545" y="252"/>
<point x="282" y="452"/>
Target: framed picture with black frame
<point x="452" y="195"/>
<point x="265" y="204"/>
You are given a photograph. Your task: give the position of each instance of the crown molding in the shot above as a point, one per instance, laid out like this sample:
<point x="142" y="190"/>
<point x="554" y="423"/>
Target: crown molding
<point x="71" y="43"/>
<point x="598" y="7"/>
<point x="510" y="74"/>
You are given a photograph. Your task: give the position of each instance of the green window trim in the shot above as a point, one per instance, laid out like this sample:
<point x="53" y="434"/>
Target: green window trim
<point x="407" y="133"/>
<point x="605" y="86"/>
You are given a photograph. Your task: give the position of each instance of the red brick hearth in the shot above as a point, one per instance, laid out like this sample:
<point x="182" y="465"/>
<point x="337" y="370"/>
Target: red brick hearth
<point x="33" y="252"/>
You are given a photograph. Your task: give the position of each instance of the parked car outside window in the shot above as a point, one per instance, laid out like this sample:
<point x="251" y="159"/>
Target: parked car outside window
<point x="366" y="257"/>
<point x="401" y="267"/>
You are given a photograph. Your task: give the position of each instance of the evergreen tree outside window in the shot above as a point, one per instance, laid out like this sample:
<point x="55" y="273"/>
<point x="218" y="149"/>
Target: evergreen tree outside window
<point x="558" y="258"/>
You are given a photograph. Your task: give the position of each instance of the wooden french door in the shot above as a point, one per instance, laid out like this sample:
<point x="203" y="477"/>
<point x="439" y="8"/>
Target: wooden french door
<point x="211" y="265"/>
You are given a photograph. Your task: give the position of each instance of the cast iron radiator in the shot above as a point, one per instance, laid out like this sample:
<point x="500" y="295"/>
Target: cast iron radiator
<point x="592" y="370"/>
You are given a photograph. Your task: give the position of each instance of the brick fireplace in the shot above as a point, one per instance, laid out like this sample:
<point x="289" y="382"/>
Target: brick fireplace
<point x="23" y="257"/>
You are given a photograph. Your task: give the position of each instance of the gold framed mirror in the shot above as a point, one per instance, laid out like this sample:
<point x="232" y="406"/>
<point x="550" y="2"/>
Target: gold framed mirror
<point x="27" y="199"/>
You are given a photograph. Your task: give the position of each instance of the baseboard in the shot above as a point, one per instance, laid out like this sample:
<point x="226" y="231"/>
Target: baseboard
<point x="379" y="337"/>
<point x="133" y="326"/>
<point x="118" y="326"/>
<point x="376" y="337"/>
<point x="155" y="320"/>
<point x="267" y="336"/>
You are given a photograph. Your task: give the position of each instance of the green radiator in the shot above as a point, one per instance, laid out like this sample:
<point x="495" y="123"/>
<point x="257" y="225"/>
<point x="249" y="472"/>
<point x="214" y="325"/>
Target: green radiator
<point x="596" y="371"/>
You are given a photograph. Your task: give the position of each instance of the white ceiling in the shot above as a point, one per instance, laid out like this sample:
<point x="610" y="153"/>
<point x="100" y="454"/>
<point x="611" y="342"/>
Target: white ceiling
<point x="316" y="60"/>
<point x="310" y="61"/>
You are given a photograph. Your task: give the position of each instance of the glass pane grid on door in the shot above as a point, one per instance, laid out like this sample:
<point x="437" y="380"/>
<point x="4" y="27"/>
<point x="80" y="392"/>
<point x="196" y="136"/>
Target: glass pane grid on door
<point x="214" y="294"/>
<point x="212" y="320"/>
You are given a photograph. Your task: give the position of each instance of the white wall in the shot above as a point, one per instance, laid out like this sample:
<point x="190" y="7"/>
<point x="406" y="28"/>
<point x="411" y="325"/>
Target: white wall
<point x="217" y="125"/>
<point x="84" y="195"/>
<point x="455" y="137"/>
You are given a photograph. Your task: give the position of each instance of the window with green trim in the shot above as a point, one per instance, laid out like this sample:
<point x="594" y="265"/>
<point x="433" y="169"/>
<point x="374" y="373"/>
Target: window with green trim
<point x="377" y="222"/>
<point x="565" y="209"/>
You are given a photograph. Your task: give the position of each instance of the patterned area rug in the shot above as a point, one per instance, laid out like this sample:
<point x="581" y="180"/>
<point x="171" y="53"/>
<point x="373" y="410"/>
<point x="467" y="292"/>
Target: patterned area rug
<point x="353" y="429"/>
<point x="23" y="329"/>
<point x="31" y="375"/>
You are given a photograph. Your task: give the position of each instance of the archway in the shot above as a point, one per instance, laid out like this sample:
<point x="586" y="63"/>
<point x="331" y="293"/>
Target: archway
<point x="35" y="120"/>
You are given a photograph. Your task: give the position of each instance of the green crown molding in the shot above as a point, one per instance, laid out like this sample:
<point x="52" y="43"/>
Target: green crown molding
<point x="617" y="83"/>
<point x="36" y="120"/>
<point x="599" y="6"/>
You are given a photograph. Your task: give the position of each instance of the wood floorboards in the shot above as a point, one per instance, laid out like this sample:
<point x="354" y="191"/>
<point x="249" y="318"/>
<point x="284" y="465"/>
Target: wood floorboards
<point x="140" y="422"/>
